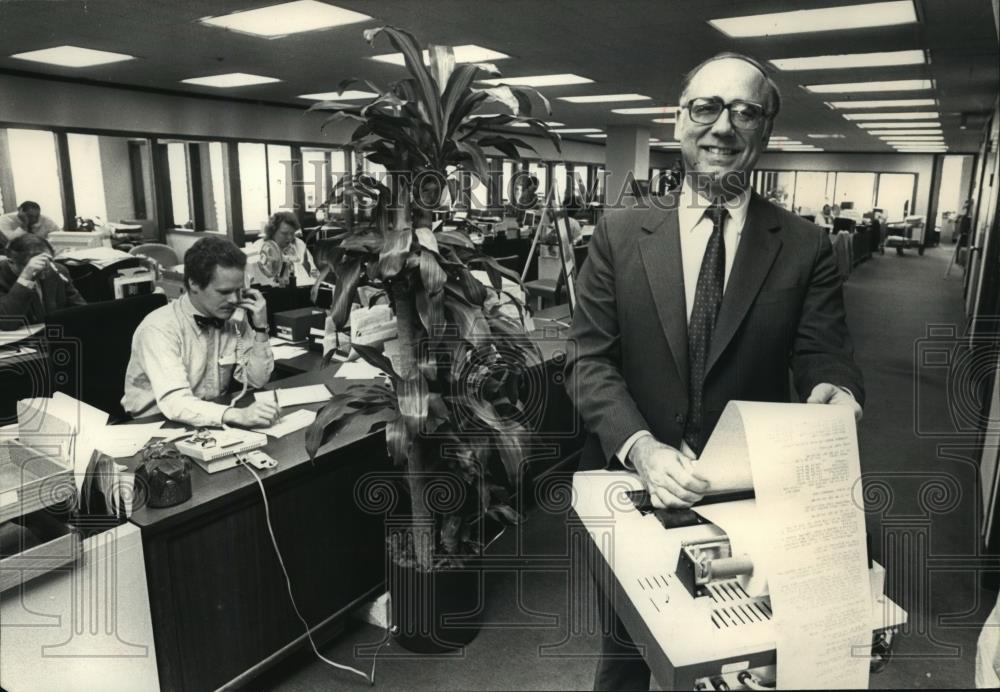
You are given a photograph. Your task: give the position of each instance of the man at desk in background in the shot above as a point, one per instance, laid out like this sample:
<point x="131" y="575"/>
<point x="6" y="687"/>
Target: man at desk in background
<point x="185" y="354"/>
<point x="31" y="284"/>
<point x="27" y="219"/>
<point x="685" y="308"/>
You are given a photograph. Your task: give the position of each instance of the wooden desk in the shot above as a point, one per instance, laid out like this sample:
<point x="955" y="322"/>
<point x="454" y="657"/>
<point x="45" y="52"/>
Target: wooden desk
<point x="217" y="595"/>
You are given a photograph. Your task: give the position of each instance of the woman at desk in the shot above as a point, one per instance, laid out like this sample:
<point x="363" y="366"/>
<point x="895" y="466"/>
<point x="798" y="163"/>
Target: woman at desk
<point x="281" y="228"/>
<point x="31" y="284"/>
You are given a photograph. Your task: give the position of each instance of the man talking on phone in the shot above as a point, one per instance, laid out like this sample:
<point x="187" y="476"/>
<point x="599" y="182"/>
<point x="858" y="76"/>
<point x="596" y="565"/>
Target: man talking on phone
<point x="186" y="354"/>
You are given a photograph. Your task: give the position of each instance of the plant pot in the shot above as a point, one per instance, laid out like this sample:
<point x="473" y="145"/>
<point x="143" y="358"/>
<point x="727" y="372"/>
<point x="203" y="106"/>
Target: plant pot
<point x="436" y="611"/>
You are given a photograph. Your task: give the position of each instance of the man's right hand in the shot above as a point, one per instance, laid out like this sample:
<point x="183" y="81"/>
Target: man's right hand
<point x="666" y="473"/>
<point x="35" y="266"/>
<point x="259" y="414"/>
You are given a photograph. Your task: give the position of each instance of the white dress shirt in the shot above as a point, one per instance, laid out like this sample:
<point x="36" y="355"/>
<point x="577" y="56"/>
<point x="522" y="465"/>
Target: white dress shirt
<point x="178" y="368"/>
<point x="695" y="229"/>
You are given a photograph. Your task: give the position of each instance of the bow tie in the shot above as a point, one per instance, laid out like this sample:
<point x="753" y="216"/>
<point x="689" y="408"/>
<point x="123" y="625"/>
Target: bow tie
<point x="215" y="322"/>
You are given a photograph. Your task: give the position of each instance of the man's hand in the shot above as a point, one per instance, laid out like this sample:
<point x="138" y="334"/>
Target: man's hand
<point x="35" y="266"/>
<point x="259" y="414"/>
<point x="825" y="393"/>
<point x="666" y="473"/>
<point x="256" y="305"/>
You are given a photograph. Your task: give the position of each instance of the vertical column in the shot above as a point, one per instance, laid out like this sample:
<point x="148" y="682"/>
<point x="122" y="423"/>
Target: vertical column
<point x="627" y="162"/>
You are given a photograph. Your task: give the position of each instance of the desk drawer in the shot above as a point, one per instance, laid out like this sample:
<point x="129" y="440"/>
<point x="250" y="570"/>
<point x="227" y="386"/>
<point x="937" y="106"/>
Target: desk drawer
<point x="45" y="544"/>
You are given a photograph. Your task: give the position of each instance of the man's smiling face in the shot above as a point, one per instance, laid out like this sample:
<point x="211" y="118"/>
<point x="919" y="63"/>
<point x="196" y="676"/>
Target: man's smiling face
<point x="719" y="151"/>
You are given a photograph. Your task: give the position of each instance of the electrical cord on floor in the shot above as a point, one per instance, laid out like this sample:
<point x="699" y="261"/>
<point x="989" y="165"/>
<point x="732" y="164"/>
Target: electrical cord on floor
<point x="369" y="678"/>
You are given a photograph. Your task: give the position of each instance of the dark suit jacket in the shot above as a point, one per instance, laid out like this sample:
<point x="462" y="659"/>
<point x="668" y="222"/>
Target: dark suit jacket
<point x="627" y="366"/>
<point x="19" y="301"/>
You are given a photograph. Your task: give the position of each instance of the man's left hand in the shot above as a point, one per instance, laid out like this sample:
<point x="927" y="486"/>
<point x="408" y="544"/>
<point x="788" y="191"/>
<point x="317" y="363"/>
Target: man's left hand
<point x="256" y="305"/>
<point x="825" y="393"/>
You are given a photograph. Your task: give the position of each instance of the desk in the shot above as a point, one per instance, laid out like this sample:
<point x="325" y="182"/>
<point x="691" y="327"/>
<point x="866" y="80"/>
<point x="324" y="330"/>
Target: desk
<point x="23" y="376"/>
<point x="217" y="595"/>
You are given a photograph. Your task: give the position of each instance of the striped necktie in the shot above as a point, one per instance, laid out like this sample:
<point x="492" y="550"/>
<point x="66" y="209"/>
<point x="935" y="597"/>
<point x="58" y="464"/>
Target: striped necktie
<point x="707" y="300"/>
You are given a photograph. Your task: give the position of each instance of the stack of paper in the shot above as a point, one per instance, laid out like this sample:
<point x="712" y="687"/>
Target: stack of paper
<point x="358" y="370"/>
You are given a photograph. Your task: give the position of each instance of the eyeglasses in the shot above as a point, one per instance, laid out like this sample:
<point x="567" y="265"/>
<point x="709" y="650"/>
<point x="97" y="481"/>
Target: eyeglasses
<point x="744" y="115"/>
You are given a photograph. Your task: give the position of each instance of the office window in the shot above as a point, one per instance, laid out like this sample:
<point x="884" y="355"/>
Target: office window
<point x="280" y="175"/>
<point x="579" y="181"/>
<point x="479" y="193"/>
<point x="777" y="186"/>
<point x="507" y="179"/>
<point x="315" y="167"/>
<point x="87" y="176"/>
<point x="598" y="186"/>
<point x="812" y="191"/>
<point x="559" y="183"/>
<point x="180" y="183"/>
<point x="217" y="213"/>
<point x="855" y="191"/>
<point x="541" y="171"/>
<point x="952" y="194"/>
<point x="253" y="184"/>
<point x="895" y="195"/>
<point x="35" y="171"/>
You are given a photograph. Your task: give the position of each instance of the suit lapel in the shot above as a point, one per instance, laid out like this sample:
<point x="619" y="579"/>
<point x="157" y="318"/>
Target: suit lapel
<point x="758" y="247"/>
<point x="661" y="258"/>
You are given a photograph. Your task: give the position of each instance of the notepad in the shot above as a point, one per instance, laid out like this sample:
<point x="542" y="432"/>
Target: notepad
<point x="296" y="396"/>
<point x="289" y="423"/>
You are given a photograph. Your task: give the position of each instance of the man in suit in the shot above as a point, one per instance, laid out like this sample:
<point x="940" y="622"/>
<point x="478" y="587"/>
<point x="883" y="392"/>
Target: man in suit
<point x="710" y="295"/>
<point x="31" y="284"/>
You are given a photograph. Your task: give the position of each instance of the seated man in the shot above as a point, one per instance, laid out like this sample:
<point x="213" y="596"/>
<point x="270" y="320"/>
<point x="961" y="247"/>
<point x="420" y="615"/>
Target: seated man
<point x="27" y="219"/>
<point x="185" y="354"/>
<point x="31" y="284"/>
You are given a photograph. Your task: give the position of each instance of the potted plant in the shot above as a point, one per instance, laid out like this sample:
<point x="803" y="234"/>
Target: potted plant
<point x="457" y="368"/>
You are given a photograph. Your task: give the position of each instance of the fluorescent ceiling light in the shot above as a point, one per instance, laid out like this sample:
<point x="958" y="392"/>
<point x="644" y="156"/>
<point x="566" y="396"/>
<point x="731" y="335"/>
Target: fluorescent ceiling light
<point x="789" y="143"/>
<point x="577" y="130"/>
<point x="467" y="53"/>
<point x="826" y="19"/>
<point x="667" y="121"/>
<point x="604" y="98"/>
<point x="922" y="150"/>
<point x="232" y="79"/>
<point x="905" y="132"/>
<point x="72" y="56"/>
<point x="884" y="103"/>
<point x="541" y="80"/>
<point x="598" y="136"/>
<point x="912" y="138"/>
<point x="929" y="115"/>
<point x="345" y="96"/>
<point x="863" y="87"/>
<point x="553" y="123"/>
<point x="518" y="125"/>
<point x="900" y="126"/>
<point x="834" y="136"/>
<point x="287" y="18"/>
<point x="838" y="62"/>
<point x="646" y="110"/>
<point x="776" y="138"/>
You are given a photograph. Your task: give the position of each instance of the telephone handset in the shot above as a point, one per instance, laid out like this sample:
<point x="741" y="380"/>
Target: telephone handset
<point x="239" y="315"/>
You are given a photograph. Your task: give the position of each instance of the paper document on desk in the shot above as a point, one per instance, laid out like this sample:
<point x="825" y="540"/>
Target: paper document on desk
<point x="358" y="370"/>
<point x="288" y="352"/>
<point x="296" y="396"/>
<point x="805" y="532"/>
<point x="126" y="440"/>
<point x="289" y="423"/>
<point x="12" y="336"/>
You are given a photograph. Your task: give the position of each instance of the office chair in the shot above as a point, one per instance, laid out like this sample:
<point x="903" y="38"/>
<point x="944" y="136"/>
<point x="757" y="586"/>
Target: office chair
<point x="163" y="254"/>
<point x="90" y="346"/>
